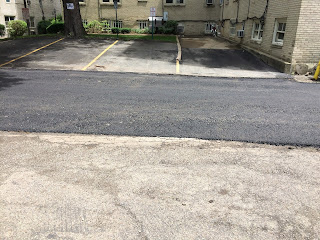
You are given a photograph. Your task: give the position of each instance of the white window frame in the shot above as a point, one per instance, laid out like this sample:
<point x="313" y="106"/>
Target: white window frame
<point x="283" y="23"/>
<point x="32" y="22"/>
<point x="6" y="22"/>
<point x="84" y="22"/>
<point x="8" y="1"/>
<point x="143" y="24"/>
<point x="208" y="27"/>
<point x="233" y="29"/>
<point x="257" y="37"/>
<point x="113" y="23"/>
<point x="109" y="2"/>
<point x="174" y="2"/>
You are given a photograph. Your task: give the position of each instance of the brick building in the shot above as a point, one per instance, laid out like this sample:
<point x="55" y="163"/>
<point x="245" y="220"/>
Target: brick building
<point x="38" y="10"/>
<point x="195" y="17"/>
<point x="284" y="33"/>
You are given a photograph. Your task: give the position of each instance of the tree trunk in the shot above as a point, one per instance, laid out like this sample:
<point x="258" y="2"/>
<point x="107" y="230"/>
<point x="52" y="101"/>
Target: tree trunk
<point x="72" y="19"/>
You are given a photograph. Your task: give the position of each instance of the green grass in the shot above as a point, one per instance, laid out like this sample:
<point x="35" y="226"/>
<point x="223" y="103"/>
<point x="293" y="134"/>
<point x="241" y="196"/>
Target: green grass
<point x="163" y="38"/>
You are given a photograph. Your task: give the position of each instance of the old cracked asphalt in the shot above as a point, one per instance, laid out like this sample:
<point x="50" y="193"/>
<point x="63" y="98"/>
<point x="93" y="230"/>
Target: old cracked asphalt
<point x="67" y="186"/>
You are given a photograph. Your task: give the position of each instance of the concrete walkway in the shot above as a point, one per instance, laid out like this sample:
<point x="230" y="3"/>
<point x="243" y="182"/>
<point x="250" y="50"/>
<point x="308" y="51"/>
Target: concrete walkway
<point x="56" y="186"/>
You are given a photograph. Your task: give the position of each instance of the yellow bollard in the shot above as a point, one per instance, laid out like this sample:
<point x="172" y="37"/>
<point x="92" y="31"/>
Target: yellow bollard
<point x="316" y="75"/>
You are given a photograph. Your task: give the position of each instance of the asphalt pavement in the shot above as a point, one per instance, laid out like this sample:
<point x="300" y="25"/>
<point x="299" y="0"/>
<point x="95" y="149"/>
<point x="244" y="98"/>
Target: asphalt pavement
<point x="250" y="110"/>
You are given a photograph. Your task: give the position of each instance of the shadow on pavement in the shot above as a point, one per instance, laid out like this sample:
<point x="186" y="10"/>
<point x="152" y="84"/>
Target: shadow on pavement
<point x="7" y="80"/>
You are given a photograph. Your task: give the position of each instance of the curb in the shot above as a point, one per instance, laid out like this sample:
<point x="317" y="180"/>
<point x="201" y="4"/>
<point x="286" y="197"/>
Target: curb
<point x="179" y="49"/>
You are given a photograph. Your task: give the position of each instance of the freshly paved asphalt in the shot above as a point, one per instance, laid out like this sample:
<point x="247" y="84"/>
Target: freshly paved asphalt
<point x="271" y="111"/>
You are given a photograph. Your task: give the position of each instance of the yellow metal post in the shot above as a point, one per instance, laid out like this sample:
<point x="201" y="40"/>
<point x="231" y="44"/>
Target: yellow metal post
<point x="316" y="75"/>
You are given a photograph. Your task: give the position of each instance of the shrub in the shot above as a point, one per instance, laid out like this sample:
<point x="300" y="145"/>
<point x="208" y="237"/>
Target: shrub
<point x="94" y="27"/>
<point x="55" y="28"/>
<point x="166" y="30"/>
<point x="105" y="26"/>
<point x="170" y="27"/>
<point x="141" y="31"/>
<point x="2" y="29"/>
<point x="115" y="30"/>
<point x="42" y="26"/>
<point x="57" y="19"/>
<point x="125" y="30"/>
<point x="17" y="28"/>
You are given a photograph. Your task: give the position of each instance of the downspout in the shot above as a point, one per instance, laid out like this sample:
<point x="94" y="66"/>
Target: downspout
<point x="99" y="11"/>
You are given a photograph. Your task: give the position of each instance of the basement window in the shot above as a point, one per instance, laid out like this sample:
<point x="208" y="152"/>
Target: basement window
<point x="279" y="31"/>
<point x="257" y="31"/>
<point x="143" y="24"/>
<point x="232" y="29"/>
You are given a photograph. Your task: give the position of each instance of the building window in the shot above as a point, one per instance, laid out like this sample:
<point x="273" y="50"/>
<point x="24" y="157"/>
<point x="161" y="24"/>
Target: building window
<point x="32" y="24"/>
<point x="84" y="22"/>
<point x="7" y="1"/>
<point x="279" y="31"/>
<point x="111" y="1"/>
<point x="7" y="19"/>
<point x="116" y="24"/>
<point x="169" y="1"/>
<point x="143" y="24"/>
<point x="108" y="24"/>
<point x="209" y="26"/>
<point x="257" y="31"/>
<point x="232" y="29"/>
<point x="81" y="1"/>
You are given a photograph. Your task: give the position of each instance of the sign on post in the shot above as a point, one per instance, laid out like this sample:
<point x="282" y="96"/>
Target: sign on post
<point x="115" y="4"/>
<point x="25" y="13"/>
<point x="70" y="6"/>
<point x="152" y="12"/>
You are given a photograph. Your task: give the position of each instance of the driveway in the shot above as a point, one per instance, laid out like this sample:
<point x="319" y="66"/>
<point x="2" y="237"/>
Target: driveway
<point x="82" y="54"/>
<point x="205" y="56"/>
<point x="208" y="56"/>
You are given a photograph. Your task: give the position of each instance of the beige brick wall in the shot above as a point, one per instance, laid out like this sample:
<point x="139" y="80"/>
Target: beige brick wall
<point x="14" y="8"/>
<point x="277" y="9"/>
<point x="307" y="43"/>
<point x="193" y="14"/>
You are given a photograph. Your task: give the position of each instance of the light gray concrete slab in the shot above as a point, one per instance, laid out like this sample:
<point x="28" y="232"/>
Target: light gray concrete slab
<point x="56" y="186"/>
<point x="139" y="57"/>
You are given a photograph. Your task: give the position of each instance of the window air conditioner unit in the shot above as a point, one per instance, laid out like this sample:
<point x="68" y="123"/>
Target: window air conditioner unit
<point x="180" y="29"/>
<point x="240" y="33"/>
<point x="209" y="2"/>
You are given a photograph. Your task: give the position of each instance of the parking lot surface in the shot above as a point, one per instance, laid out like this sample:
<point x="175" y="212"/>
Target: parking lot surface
<point x="76" y="54"/>
<point x="208" y="56"/>
<point x="204" y="56"/>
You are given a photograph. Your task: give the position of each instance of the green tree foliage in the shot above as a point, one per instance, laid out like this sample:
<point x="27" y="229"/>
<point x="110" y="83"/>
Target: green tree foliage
<point x="17" y="28"/>
<point x="56" y="28"/>
<point x="2" y="30"/>
<point x="42" y="26"/>
<point x="94" y="27"/>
